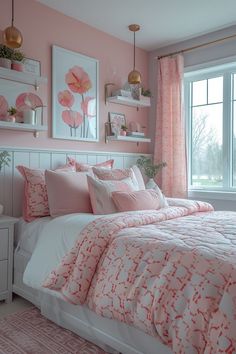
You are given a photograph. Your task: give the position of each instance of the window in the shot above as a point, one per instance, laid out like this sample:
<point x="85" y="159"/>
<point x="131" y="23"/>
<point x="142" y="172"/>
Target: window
<point x="210" y="97"/>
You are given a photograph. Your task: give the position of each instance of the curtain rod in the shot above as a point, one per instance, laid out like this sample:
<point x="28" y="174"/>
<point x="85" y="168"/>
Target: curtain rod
<point x="196" y="47"/>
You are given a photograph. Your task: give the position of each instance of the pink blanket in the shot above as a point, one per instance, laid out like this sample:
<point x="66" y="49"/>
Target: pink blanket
<point x="171" y="273"/>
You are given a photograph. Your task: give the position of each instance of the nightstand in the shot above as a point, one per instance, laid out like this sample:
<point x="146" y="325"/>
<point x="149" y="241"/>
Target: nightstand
<point x="6" y="256"/>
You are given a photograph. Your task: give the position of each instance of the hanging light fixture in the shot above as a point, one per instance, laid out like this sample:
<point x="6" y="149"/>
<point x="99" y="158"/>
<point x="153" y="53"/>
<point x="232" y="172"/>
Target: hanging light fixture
<point x="12" y="37"/>
<point x="134" y="77"/>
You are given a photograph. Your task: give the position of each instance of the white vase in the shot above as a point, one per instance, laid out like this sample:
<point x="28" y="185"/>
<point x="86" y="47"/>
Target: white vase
<point x="151" y="184"/>
<point x="29" y="117"/>
<point x="5" y="63"/>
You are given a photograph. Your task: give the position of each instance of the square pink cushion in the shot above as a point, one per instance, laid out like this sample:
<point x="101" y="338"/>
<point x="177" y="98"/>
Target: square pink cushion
<point x="100" y="193"/>
<point x="35" y="201"/>
<point x="67" y="193"/>
<point x="84" y="167"/>
<point x="119" y="174"/>
<point x="137" y="200"/>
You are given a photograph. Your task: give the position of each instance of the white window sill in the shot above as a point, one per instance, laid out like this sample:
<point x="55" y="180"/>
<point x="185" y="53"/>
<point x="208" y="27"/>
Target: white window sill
<point x="211" y="195"/>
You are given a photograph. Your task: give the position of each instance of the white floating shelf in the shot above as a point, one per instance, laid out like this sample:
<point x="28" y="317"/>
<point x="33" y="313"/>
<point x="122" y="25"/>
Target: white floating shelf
<point x="127" y="138"/>
<point x="127" y="101"/>
<point x="22" y="77"/>
<point x="23" y="127"/>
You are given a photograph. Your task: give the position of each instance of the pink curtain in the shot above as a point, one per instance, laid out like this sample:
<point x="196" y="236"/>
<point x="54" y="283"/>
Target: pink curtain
<point x="170" y="127"/>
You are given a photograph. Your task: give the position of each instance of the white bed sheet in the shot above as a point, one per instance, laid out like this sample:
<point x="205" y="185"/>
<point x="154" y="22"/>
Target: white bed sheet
<point x="28" y="233"/>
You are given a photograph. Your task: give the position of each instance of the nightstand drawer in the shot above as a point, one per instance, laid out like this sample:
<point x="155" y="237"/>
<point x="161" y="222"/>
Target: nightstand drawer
<point x="3" y="244"/>
<point x="3" y="275"/>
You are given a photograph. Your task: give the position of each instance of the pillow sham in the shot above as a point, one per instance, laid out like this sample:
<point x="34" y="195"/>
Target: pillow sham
<point x="35" y="199"/>
<point x="84" y="167"/>
<point x="67" y="193"/>
<point x="100" y="193"/>
<point x="152" y="185"/>
<point x="138" y="200"/>
<point x="117" y="175"/>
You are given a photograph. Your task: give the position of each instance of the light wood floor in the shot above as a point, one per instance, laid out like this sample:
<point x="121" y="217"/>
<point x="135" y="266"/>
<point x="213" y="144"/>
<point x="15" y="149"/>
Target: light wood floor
<point x="18" y="304"/>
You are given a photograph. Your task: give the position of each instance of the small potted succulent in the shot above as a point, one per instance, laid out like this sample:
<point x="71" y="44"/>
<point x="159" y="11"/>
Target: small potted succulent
<point x="12" y="111"/>
<point x="17" y="60"/>
<point x="5" y="56"/>
<point x="123" y="130"/>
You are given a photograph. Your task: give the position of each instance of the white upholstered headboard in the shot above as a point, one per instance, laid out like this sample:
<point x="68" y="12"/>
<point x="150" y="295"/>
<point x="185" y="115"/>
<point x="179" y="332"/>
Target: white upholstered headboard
<point x="11" y="183"/>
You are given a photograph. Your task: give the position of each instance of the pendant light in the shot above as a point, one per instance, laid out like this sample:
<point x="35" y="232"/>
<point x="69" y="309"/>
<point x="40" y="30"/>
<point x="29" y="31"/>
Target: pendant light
<point x="12" y="37"/>
<point x="134" y="77"/>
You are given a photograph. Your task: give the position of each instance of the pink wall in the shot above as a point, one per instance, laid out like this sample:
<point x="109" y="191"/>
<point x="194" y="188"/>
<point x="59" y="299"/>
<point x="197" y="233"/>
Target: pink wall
<point x="41" y="28"/>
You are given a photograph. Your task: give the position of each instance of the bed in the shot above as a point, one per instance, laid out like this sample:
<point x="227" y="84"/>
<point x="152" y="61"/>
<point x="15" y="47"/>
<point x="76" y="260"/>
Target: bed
<point x="197" y="258"/>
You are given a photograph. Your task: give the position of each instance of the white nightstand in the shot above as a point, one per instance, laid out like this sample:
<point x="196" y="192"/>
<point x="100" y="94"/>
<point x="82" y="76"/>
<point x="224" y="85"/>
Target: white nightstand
<point x="6" y="256"/>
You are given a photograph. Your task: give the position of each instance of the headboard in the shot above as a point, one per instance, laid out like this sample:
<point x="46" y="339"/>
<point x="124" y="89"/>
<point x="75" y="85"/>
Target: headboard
<point x="11" y="183"/>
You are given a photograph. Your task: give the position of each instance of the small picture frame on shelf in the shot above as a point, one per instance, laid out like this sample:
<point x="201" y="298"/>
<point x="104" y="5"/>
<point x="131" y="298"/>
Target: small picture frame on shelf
<point x="32" y="66"/>
<point x="116" y="120"/>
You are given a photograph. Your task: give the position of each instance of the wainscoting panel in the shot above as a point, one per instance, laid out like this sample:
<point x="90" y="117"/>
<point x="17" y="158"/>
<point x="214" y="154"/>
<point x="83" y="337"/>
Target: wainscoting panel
<point x="12" y="184"/>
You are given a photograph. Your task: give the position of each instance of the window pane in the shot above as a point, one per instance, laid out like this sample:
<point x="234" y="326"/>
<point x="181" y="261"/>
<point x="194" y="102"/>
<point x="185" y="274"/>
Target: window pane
<point x="234" y="145"/>
<point x="199" y="92"/>
<point x="207" y="167"/>
<point x="234" y="75"/>
<point x="215" y="90"/>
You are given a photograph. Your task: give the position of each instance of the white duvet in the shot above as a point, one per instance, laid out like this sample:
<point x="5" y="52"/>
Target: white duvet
<point x="55" y="240"/>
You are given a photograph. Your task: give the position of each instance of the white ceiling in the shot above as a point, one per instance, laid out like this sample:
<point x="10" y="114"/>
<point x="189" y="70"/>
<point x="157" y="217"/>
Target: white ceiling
<point x="163" y="22"/>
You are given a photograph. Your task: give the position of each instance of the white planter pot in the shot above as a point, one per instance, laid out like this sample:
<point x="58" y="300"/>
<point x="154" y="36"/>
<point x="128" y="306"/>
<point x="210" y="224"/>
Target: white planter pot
<point x="29" y="117"/>
<point x="5" y="63"/>
<point x="151" y="184"/>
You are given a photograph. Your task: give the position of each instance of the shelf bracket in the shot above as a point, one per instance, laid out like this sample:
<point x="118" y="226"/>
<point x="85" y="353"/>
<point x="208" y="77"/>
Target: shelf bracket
<point x="106" y="90"/>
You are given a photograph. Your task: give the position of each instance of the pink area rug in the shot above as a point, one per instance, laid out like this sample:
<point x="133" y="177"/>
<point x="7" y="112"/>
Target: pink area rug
<point x="28" y="332"/>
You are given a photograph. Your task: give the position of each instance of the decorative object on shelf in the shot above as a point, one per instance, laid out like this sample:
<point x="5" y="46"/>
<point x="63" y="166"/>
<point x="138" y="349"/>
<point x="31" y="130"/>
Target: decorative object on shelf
<point x="75" y="88"/>
<point x="117" y="120"/>
<point x="27" y="103"/>
<point x="135" y="92"/>
<point x="12" y="37"/>
<point x="146" y="93"/>
<point x="5" y="56"/>
<point x="106" y="86"/>
<point x="17" y="61"/>
<point x="3" y="108"/>
<point x="32" y="66"/>
<point x="12" y="114"/>
<point x="123" y="130"/>
<point x="150" y="170"/>
<point x="134" y="127"/>
<point x="134" y="77"/>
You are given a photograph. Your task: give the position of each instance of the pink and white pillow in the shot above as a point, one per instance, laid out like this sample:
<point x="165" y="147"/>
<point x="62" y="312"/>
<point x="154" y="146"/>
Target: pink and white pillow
<point x="35" y="200"/>
<point x="138" y="200"/>
<point x="119" y="174"/>
<point x="83" y="167"/>
<point x="67" y="193"/>
<point x="100" y="193"/>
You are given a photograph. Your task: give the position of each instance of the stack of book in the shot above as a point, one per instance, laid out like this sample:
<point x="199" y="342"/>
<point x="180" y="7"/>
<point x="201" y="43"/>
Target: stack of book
<point x="136" y="134"/>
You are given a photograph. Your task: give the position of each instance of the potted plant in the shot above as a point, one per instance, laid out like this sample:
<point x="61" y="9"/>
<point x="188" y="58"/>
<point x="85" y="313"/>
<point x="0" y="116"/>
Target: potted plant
<point x="12" y="114"/>
<point x="150" y="169"/>
<point x="5" y="56"/>
<point x="123" y="130"/>
<point x="4" y="161"/>
<point x="17" y="60"/>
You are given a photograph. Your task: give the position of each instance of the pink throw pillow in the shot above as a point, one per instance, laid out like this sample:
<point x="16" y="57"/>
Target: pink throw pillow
<point x="67" y="193"/>
<point x="84" y="167"/>
<point x="35" y="201"/>
<point x="100" y="193"/>
<point x="117" y="175"/>
<point x="138" y="200"/>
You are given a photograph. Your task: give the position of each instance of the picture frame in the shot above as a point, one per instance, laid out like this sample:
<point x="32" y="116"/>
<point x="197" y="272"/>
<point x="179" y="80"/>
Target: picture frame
<point x="75" y="101"/>
<point x="116" y="120"/>
<point x="32" y="66"/>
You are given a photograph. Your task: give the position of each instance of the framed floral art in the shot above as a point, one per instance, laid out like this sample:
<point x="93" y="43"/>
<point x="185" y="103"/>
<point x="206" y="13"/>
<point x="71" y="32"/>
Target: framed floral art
<point x="74" y="96"/>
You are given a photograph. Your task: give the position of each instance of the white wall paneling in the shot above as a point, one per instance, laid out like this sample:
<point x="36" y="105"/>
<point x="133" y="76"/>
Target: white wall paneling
<point x="12" y="184"/>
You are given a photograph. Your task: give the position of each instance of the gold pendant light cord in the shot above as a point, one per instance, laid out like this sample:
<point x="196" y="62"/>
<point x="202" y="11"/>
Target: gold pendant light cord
<point x="134" y="50"/>
<point x="12" y="13"/>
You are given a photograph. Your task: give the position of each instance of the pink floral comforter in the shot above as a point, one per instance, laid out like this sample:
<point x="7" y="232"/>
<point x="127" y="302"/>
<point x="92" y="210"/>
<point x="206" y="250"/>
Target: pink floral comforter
<point x="171" y="273"/>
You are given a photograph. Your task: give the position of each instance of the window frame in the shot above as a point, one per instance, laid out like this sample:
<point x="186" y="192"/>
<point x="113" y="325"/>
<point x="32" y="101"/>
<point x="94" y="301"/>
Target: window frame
<point x="203" y="72"/>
